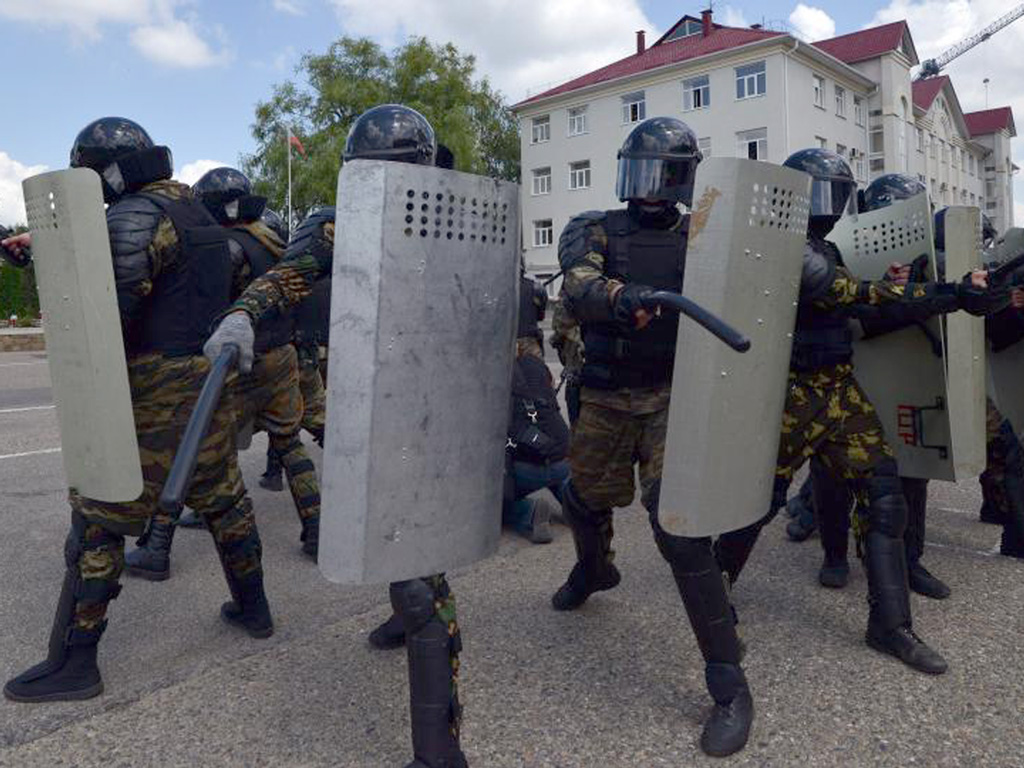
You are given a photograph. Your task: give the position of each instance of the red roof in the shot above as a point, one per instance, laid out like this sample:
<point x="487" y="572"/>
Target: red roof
<point x="990" y="121"/>
<point x="925" y="91"/>
<point x="866" y="44"/>
<point x="662" y="54"/>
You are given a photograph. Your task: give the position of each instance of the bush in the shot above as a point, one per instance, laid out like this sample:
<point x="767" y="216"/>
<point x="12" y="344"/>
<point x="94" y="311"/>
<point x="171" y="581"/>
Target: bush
<point x="18" y="294"/>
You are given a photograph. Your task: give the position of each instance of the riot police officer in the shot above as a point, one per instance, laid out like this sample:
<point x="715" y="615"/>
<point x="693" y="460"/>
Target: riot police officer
<point x="425" y="606"/>
<point x="828" y="414"/>
<point x="173" y="277"/>
<point x="612" y="260"/>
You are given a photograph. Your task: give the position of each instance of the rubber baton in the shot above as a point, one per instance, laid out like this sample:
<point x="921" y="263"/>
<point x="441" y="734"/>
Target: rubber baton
<point x="697" y="313"/>
<point x="172" y="498"/>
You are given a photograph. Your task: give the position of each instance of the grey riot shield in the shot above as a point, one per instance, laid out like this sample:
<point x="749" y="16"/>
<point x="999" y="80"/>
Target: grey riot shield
<point x="743" y="263"/>
<point x="902" y="372"/>
<point x="75" y="274"/>
<point x="1006" y="366"/>
<point x="423" y="311"/>
<point x="965" y="348"/>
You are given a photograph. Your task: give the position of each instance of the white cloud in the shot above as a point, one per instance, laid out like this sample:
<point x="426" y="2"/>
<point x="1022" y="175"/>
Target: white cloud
<point x="537" y="44"/>
<point x="937" y="25"/>
<point x="157" y="29"/>
<point x="733" y="17"/>
<point x="191" y="172"/>
<point x="12" y="202"/>
<point x="812" y="23"/>
<point x="293" y="7"/>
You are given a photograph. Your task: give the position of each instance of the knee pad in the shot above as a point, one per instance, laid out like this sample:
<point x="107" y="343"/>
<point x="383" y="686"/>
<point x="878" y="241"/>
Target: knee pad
<point x="884" y="482"/>
<point x="682" y="553"/>
<point x="413" y="602"/>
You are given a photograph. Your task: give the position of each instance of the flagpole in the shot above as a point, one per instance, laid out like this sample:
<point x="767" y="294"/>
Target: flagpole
<point x="288" y="147"/>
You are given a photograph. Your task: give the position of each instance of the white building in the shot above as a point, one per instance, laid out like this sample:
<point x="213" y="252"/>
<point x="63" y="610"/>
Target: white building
<point x="751" y="92"/>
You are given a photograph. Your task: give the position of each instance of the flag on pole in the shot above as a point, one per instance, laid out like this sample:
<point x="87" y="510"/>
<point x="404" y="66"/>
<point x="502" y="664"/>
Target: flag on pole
<point x="293" y="141"/>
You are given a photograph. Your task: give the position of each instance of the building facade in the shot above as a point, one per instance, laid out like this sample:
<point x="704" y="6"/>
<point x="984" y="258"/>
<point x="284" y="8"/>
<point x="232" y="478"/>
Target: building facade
<point x="759" y="94"/>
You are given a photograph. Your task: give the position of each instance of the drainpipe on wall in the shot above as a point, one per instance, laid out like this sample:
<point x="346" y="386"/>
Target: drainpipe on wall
<point x="785" y="91"/>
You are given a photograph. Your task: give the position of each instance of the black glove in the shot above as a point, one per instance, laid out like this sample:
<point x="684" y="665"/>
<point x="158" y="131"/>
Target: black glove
<point x="981" y="301"/>
<point x="630" y="299"/>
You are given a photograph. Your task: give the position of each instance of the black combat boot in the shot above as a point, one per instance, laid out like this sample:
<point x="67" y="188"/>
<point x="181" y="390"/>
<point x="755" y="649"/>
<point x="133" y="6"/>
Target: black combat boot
<point x="889" y="624"/>
<point x="915" y="491"/>
<point x="249" y="608"/>
<point x="1012" y="544"/>
<point x="271" y="478"/>
<point x="389" y="635"/>
<point x="728" y="728"/>
<point x="69" y="672"/>
<point x="151" y="559"/>
<point x="310" y="537"/>
<point x="832" y="502"/>
<point x="594" y="570"/>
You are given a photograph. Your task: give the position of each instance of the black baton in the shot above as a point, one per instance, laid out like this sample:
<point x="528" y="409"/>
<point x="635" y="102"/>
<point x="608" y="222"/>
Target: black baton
<point x="694" y="311"/>
<point x="1004" y="271"/>
<point x="172" y="498"/>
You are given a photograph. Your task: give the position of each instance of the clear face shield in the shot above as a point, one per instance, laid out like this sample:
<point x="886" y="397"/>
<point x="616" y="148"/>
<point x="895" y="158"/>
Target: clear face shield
<point x="833" y="197"/>
<point x="656" y="178"/>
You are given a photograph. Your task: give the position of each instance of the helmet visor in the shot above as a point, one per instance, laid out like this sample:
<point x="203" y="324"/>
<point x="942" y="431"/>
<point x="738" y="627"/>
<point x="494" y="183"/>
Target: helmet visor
<point x="833" y="197"/>
<point x="656" y="178"/>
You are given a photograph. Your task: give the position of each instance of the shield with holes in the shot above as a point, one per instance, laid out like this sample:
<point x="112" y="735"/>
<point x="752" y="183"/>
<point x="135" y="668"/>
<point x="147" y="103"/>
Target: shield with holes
<point x="902" y="367"/>
<point x="1005" y="331"/>
<point x="744" y="258"/>
<point x="75" y="276"/>
<point x="423" y="310"/>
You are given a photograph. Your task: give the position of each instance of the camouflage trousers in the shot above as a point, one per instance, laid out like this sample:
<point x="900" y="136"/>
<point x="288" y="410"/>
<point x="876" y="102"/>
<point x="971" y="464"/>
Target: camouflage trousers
<point x="271" y="398"/>
<point x="314" y="401"/>
<point x="997" y="448"/>
<point x="164" y="392"/>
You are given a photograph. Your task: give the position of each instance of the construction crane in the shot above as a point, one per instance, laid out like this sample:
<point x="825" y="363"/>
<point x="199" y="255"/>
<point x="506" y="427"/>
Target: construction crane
<point x="932" y="67"/>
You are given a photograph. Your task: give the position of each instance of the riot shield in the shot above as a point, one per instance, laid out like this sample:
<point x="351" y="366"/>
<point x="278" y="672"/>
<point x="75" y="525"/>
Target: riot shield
<point x="965" y="348"/>
<point x="902" y="371"/>
<point x="75" y="274"/>
<point x="743" y="263"/>
<point x="423" y="319"/>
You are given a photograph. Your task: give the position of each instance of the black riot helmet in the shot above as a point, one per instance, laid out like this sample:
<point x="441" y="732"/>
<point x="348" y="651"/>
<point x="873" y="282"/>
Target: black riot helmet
<point x="891" y="188"/>
<point x="276" y="223"/>
<point x="988" y="231"/>
<point x="658" y="161"/>
<point x="122" y="153"/>
<point x="391" y="132"/>
<point x="227" y="195"/>
<point x="833" y="191"/>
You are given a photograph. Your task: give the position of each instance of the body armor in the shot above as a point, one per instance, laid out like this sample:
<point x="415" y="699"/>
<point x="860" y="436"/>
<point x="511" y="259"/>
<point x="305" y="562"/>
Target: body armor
<point x="822" y="336"/>
<point x="536" y="428"/>
<point x="618" y="357"/>
<point x="313" y="316"/>
<point x="275" y="328"/>
<point x="185" y="301"/>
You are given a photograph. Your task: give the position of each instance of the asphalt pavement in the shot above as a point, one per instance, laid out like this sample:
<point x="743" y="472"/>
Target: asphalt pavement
<point x="617" y="684"/>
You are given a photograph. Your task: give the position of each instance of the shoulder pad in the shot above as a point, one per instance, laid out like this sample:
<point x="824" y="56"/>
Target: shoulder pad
<point x="305" y="235"/>
<point x="574" y="240"/>
<point x="132" y="222"/>
<point x="819" y="272"/>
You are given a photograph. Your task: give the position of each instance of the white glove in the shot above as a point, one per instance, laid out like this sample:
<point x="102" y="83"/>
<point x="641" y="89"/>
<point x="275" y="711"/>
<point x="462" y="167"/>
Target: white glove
<point x="235" y="329"/>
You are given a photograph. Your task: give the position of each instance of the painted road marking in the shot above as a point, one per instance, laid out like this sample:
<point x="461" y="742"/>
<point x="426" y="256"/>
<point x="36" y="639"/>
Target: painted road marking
<point x="28" y="453"/>
<point x="28" y="408"/>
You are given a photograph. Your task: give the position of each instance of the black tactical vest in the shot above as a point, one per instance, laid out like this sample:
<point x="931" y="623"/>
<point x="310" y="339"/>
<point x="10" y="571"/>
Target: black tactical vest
<point x="537" y="429"/>
<point x="529" y="312"/>
<point x="822" y="337"/>
<point x="617" y="357"/>
<point x="187" y="299"/>
<point x="313" y="316"/>
<point x="275" y="327"/>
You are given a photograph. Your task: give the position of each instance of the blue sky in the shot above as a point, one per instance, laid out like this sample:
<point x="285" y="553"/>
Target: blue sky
<point x="191" y="71"/>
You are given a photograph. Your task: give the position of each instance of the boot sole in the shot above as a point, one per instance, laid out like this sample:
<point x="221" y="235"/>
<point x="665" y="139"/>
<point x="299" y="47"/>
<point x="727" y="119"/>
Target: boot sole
<point x="142" y="573"/>
<point x="389" y="645"/>
<point x="85" y="693"/>
<point x="257" y="634"/>
<point x="882" y="648"/>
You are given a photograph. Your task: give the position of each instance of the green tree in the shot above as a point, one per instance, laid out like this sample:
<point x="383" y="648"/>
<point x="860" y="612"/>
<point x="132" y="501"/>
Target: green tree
<point x="355" y="74"/>
<point x="18" y="294"/>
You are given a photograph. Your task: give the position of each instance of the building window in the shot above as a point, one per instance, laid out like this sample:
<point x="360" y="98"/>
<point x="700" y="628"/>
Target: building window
<point x="543" y="233"/>
<point x="963" y="161"/>
<point x="877" y="164"/>
<point x="819" y="91"/>
<point x="990" y="189"/>
<point x="858" y="110"/>
<point x="752" y="144"/>
<point x="696" y="93"/>
<point x="541" y="129"/>
<point x="956" y="157"/>
<point x="945" y="151"/>
<point x="974" y="199"/>
<point x="577" y="121"/>
<point x="579" y="175"/>
<point x="970" y="164"/>
<point x="822" y="142"/>
<point x="750" y="80"/>
<point x="840" y="102"/>
<point x="858" y="163"/>
<point x="704" y="145"/>
<point x="933" y="147"/>
<point x="877" y="141"/>
<point x="920" y="140"/>
<point x="542" y="181"/>
<point x="922" y="179"/>
<point x="841" y="150"/>
<point x="935" y="190"/>
<point x="634" y="107"/>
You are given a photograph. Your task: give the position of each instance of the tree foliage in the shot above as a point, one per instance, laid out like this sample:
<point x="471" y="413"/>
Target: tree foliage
<point x="18" y="294"/>
<point x="356" y="74"/>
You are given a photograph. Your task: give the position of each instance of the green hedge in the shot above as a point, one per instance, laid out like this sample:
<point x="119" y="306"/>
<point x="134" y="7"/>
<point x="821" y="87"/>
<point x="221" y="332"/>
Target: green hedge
<point x="18" y="294"/>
